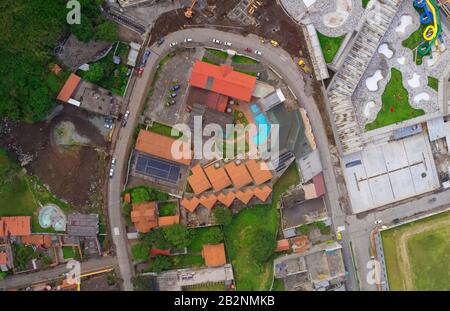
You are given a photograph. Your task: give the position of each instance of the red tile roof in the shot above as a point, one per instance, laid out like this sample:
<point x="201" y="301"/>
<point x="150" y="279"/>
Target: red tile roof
<point x="190" y="204"/>
<point x="4" y="258"/>
<point x="282" y="245"/>
<point x="208" y="201"/>
<point x="226" y="198"/>
<point x="15" y="226"/>
<point x="160" y="146"/>
<point x="209" y="99"/>
<point x="218" y="177"/>
<point x="259" y="170"/>
<point x="244" y="196"/>
<point x="144" y="216"/>
<point x="238" y="174"/>
<point x="68" y="88"/>
<point x="168" y="220"/>
<point x="223" y="80"/>
<point x="56" y="69"/>
<point x="319" y="184"/>
<point x="38" y="240"/>
<point x="198" y="180"/>
<point x="214" y="255"/>
<point x="262" y="193"/>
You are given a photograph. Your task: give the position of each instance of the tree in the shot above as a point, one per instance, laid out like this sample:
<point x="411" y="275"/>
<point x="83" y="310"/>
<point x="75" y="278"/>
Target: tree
<point x="143" y="283"/>
<point x="263" y="245"/>
<point x="140" y="251"/>
<point x="106" y="31"/>
<point x="83" y="31"/>
<point x="223" y="216"/>
<point x="161" y="263"/>
<point x="157" y="238"/>
<point x="177" y="235"/>
<point x="214" y="235"/>
<point x="95" y="73"/>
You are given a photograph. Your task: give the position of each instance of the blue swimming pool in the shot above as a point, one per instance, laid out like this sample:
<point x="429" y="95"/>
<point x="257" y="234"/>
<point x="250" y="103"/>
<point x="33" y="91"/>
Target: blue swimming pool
<point x="262" y="124"/>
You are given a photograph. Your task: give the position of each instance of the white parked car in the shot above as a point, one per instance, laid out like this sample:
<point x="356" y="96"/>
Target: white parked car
<point x="258" y="52"/>
<point x="188" y="40"/>
<point x="378" y="222"/>
<point x="127" y="114"/>
<point x="111" y="172"/>
<point x="113" y="162"/>
<point x="227" y="43"/>
<point x="173" y="44"/>
<point x="216" y="41"/>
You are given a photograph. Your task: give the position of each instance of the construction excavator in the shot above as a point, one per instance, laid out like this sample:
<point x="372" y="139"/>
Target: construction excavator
<point x="188" y="13"/>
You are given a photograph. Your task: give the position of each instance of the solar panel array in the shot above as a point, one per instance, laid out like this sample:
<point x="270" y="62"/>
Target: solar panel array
<point x="157" y="168"/>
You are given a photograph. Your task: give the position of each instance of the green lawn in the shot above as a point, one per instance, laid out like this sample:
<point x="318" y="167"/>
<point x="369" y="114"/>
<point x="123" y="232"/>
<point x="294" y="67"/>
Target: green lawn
<point x="167" y="208"/>
<point x="433" y="83"/>
<point x="278" y="285"/>
<point x="429" y="255"/>
<point x="187" y="261"/>
<point x="142" y="194"/>
<point x="329" y="46"/>
<point x="140" y="251"/>
<point x="68" y="252"/>
<point x="114" y="77"/>
<point x="247" y="72"/>
<point x="240" y="59"/>
<point x="162" y="129"/>
<point x="395" y="104"/>
<point x="20" y="194"/>
<point x="365" y="3"/>
<point x="218" y="53"/>
<point x="202" y="236"/>
<point x="209" y="61"/>
<point x="415" y="39"/>
<point x="250" y="275"/>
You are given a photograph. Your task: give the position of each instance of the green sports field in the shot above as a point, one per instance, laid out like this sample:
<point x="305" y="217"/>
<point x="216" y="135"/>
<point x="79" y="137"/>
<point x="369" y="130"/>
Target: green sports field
<point x="417" y="254"/>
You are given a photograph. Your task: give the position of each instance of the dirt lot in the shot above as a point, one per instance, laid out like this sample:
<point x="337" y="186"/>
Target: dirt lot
<point x="74" y="173"/>
<point x="100" y="283"/>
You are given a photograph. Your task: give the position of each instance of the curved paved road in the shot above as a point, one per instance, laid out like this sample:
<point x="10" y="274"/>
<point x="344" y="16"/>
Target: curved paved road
<point x="276" y="58"/>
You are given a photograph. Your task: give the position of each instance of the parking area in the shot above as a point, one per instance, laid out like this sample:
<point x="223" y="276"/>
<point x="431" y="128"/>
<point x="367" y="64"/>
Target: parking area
<point x="384" y="174"/>
<point x="175" y="70"/>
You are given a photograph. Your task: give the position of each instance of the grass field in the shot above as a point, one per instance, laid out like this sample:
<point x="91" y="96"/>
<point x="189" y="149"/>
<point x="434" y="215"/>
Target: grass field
<point x="240" y="59"/>
<point x="249" y="275"/>
<point x="418" y="254"/>
<point x="329" y="46"/>
<point x="218" y="53"/>
<point x="21" y="194"/>
<point x="395" y="104"/>
<point x="433" y="83"/>
<point x="415" y="39"/>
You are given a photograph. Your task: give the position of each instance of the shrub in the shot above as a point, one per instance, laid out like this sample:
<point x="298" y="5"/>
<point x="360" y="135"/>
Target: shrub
<point x="223" y="216"/>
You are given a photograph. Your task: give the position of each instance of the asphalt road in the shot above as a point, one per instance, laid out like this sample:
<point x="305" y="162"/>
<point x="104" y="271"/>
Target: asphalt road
<point x="276" y="58"/>
<point x="25" y="280"/>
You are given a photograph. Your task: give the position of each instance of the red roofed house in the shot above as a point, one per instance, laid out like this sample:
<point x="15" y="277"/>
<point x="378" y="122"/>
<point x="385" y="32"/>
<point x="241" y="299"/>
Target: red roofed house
<point x="15" y="226"/>
<point x="223" y="80"/>
<point x="69" y="88"/>
<point x="316" y="188"/>
<point x="282" y="245"/>
<point x="144" y="216"/>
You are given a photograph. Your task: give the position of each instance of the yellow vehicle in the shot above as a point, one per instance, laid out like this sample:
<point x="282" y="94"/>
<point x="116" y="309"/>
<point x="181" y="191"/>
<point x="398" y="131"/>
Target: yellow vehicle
<point x="274" y="43"/>
<point x="339" y="235"/>
<point x="303" y="66"/>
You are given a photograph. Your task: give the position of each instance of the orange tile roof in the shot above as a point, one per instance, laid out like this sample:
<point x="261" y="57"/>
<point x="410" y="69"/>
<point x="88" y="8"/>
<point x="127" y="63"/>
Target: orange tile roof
<point x="38" y="240"/>
<point x="214" y="255"/>
<point x="223" y="80"/>
<point x="245" y="196"/>
<point x="144" y="216"/>
<point x="15" y="226"/>
<point x="208" y="201"/>
<point x="262" y="193"/>
<point x="4" y="258"/>
<point x="238" y="174"/>
<point x="190" y="204"/>
<point x="160" y="146"/>
<point x="56" y="69"/>
<point x="198" y="180"/>
<point x="218" y="177"/>
<point x="259" y="170"/>
<point x="168" y="220"/>
<point x="69" y="87"/>
<point x="226" y="199"/>
<point x="282" y="245"/>
<point x="300" y="244"/>
<point x="127" y="197"/>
